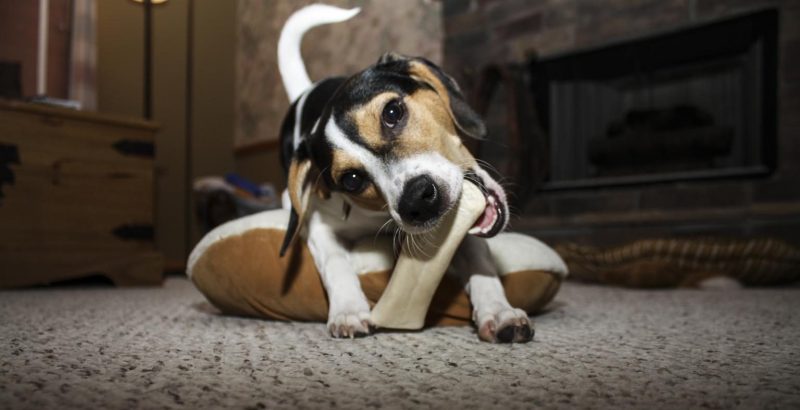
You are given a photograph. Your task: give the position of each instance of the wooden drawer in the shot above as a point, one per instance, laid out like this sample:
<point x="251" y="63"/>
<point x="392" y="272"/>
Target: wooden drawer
<point x="78" y="197"/>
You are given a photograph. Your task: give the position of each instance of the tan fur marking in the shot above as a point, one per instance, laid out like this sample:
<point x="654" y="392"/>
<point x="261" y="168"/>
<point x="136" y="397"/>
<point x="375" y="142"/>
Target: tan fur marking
<point x="430" y="128"/>
<point x="440" y="124"/>
<point x="421" y="72"/>
<point x="341" y="162"/>
<point x="370" y="198"/>
<point x="298" y="175"/>
<point x="368" y="120"/>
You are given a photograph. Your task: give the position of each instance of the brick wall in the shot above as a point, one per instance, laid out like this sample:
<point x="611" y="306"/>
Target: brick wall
<point x="478" y="32"/>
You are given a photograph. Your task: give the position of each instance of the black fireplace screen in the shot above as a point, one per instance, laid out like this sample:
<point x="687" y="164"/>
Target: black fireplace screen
<point x="697" y="103"/>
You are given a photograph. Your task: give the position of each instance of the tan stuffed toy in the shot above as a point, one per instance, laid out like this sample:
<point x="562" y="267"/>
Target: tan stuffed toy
<point x="237" y="267"/>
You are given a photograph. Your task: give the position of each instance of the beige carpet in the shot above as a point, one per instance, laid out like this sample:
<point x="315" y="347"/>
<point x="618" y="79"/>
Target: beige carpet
<point x="596" y="348"/>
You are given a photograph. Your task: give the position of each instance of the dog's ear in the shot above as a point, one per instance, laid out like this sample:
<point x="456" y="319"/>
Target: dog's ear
<point x="302" y="181"/>
<point x="465" y="118"/>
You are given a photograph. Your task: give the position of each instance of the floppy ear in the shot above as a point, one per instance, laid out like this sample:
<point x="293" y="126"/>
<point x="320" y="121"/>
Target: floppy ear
<point x="467" y="120"/>
<point x="300" y="184"/>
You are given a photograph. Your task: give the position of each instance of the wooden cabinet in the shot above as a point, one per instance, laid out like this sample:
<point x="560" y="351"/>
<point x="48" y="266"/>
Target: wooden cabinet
<point x="76" y="197"/>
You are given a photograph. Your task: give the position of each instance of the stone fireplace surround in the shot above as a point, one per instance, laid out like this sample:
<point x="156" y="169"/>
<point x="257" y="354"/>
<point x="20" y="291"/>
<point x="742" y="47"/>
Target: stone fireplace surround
<point x="767" y="204"/>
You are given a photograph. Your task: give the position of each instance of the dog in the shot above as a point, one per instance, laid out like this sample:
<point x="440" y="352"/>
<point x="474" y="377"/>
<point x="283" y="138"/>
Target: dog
<point x="384" y="147"/>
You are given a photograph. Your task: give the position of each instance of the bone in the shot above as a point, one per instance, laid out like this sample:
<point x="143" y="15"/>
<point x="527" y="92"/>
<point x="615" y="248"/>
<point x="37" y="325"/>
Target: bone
<point x="405" y="301"/>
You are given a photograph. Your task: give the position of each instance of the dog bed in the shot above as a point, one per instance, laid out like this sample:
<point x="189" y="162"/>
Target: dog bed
<point x="685" y="262"/>
<point x="237" y="267"/>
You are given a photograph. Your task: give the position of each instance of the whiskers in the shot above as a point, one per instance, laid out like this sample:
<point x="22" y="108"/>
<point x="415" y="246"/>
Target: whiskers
<point x="416" y="245"/>
<point x="384" y="226"/>
<point x="504" y="182"/>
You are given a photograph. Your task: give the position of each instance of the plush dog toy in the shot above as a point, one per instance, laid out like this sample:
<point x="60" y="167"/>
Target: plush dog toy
<point x="380" y="149"/>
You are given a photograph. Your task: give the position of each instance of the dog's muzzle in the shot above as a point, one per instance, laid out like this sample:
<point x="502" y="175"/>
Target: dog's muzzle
<point x="421" y="201"/>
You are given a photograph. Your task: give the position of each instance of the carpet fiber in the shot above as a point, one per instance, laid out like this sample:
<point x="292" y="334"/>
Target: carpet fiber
<point x="596" y="347"/>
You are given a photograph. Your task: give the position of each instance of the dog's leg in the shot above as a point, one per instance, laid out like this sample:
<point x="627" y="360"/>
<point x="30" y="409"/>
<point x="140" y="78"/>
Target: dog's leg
<point x="348" y="311"/>
<point x="496" y="319"/>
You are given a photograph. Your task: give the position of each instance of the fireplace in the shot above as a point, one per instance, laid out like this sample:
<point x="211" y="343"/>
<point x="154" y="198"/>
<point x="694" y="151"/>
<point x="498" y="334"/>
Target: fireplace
<point x="634" y="120"/>
<point x="697" y="103"/>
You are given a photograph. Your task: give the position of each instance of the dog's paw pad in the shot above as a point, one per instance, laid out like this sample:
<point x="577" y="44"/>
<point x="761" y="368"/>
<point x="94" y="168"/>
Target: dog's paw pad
<point x="507" y="326"/>
<point x="350" y="325"/>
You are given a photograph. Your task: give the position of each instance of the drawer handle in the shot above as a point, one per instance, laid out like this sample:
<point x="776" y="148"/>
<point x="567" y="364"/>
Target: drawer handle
<point x="135" y="148"/>
<point x="9" y="154"/>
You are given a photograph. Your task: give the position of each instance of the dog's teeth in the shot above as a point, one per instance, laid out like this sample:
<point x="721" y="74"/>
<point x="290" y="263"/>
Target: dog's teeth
<point x="490" y="225"/>
<point x="474" y="230"/>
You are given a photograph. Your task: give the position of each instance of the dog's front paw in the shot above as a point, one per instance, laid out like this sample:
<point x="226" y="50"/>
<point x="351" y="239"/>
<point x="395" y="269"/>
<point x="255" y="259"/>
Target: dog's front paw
<point x="349" y="324"/>
<point x="504" y="325"/>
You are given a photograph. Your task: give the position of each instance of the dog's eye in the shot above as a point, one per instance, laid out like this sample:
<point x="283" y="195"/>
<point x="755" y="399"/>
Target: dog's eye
<point x="353" y="181"/>
<point x="392" y="113"/>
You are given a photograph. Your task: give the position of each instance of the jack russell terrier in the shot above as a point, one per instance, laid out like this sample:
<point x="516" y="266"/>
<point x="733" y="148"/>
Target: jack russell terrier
<point x="380" y="150"/>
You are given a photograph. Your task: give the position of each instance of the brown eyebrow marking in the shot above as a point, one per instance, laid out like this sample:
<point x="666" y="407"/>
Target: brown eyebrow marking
<point x="429" y="129"/>
<point x="423" y="73"/>
<point x="430" y="125"/>
<point x="367" y="119"/>
<point x="341" y="161"/>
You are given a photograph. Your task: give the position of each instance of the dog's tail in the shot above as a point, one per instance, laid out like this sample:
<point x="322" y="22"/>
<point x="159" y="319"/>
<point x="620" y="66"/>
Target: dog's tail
<point x="290" y="61"/>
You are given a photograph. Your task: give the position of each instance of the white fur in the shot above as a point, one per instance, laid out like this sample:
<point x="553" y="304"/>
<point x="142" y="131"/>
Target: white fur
<point x="377" y="169"/>
<point x="447" y="175"/>
<point x="290" y="61"/>
<point x="473" y="262"/>
<point x="391" y="177"/>
<point x="330" y="237"/>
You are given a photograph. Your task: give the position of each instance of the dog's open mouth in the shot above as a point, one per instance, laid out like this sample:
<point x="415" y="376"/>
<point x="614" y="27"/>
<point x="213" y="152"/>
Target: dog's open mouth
<point x="493" y="218"/>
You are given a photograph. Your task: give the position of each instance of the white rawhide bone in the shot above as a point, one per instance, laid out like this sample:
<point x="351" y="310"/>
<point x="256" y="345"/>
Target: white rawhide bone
<point x="404" y="303"/>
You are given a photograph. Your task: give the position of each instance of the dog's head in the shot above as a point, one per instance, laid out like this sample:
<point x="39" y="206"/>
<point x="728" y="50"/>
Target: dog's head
<point x="390" y="139"/>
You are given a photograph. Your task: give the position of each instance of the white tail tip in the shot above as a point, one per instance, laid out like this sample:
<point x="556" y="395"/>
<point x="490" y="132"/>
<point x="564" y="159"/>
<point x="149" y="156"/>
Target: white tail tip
<point x="290" y="61"/>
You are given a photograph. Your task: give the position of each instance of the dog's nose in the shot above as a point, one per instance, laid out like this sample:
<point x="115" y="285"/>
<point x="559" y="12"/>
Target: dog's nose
<point x="420" y="202"/>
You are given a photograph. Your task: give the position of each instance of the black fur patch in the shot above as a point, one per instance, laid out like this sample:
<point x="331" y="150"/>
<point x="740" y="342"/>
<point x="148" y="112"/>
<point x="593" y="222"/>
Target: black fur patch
<point x="389" y="76"/>
<point x="338" y="97"/>
<point x="291" y="231"/>
<point x="287" y="138"/>
<point x="313" y="108"/>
